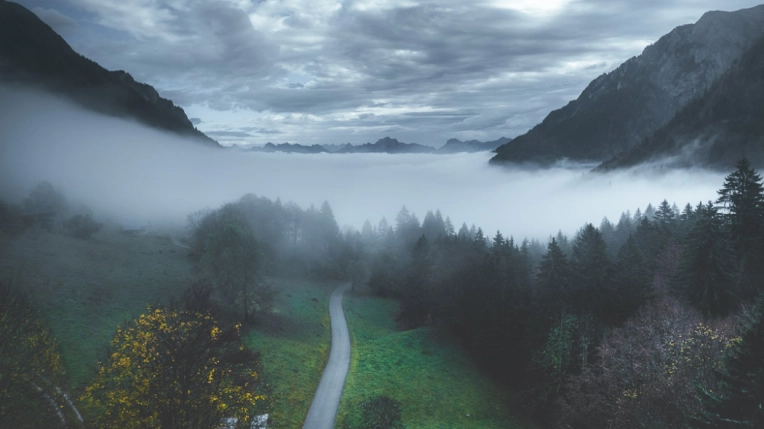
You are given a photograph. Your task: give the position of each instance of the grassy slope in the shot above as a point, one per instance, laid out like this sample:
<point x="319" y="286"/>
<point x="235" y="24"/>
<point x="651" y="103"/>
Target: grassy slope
<point x="87" y="288"/>
<point x="435" y="382"/>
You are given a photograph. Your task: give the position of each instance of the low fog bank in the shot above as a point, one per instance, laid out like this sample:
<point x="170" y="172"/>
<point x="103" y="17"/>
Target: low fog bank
<point x="132" y="174"/>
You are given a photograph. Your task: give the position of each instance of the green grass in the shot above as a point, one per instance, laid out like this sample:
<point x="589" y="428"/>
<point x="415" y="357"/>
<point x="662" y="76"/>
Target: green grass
<point x="294" y="344"/>
<point x="437" y="385"/>
<point x="88" y="288"/>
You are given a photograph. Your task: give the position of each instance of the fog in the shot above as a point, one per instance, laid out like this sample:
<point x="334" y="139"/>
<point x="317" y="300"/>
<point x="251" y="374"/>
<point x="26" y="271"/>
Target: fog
<point x="128" y="173"/>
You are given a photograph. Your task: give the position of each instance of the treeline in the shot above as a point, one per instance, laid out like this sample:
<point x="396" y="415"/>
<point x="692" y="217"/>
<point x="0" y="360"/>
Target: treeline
<point x="625" y="325"/>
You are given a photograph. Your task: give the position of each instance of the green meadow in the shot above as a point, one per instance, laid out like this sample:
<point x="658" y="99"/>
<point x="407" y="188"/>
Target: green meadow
<point x="436" y="384"/>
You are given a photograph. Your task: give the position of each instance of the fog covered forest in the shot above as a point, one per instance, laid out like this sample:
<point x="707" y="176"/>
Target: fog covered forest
<point x="652" y="321"/>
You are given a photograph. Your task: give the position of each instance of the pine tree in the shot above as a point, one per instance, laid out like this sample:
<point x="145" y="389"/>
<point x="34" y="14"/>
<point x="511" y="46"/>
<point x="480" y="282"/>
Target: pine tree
<point x="553" y="279"/>
<point x="665" y="215"/>
<point x="449" y="226"/>
<point x="632" y="284"/>
<point x="705" y="273"/>
<point x="741" y="199"/>
<point x="649" y="212"/>
<point x="592" y="271"/>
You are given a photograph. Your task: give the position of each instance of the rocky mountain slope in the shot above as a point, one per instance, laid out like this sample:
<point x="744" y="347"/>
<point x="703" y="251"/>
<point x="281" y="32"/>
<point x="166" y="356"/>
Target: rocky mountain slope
<point x="387" y="145"/>
<point x="714" y="130"/>
<point x="32" y="54"/>
<point x="458" y="146"/>
<point x="620" y="109"/>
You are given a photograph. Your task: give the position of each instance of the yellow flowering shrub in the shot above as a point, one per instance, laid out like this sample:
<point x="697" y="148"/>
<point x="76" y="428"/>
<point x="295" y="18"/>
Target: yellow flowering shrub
<point x="171" y="368"/>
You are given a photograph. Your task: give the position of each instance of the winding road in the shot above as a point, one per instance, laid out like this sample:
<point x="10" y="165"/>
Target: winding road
<point x="323" y="410"/>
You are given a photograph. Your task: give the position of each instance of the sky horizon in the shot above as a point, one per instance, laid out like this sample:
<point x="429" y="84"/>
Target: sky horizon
<point x="249" y="72"/>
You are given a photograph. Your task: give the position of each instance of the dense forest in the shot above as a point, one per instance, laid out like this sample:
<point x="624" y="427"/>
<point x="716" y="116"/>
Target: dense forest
<point x="653" y="321"/>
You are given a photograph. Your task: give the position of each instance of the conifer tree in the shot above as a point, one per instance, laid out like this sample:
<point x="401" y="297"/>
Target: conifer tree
<point x="554" y="280"/>
<point x="665" y="216"/>
<point x="592" y="271"/>
<point x="705" y="273"/>
<point x="632" y="284"/>
<point x="741" y="199"/>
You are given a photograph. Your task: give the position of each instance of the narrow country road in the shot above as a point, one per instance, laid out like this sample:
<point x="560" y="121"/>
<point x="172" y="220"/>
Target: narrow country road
<point x="323" y="410"/>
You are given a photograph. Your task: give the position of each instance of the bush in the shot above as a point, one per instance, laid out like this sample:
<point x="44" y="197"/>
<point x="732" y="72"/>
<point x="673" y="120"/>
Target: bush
<point x="82" y="226"/>
<point x="11" y="219"/>
<point x="381" y="412"/>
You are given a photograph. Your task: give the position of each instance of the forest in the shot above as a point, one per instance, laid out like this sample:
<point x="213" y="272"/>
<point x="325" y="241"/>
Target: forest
<point x="654" y="321"/>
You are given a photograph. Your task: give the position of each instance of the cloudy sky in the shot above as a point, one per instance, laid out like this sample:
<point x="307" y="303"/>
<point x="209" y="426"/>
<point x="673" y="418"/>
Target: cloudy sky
<point x="336" y="71"/>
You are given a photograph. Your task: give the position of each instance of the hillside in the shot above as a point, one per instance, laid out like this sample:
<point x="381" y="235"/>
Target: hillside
<point x="714" y="130"/>
<point x="618" y="110"/>
<point x="31" y="53"/>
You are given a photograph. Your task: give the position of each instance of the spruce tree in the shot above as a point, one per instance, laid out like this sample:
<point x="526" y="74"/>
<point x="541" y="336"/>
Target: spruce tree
<point x="632" y="284"/>
<point x="592" y="272"/>
<point x="706" y="270"/>
<point x="553" y="280"/>
<point x="742" y="201"/>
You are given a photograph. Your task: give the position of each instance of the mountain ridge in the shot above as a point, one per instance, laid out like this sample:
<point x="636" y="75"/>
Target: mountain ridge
<point x="33" y="54"/>
<point x="714" y="130"/>
<point x="617" y="110"/>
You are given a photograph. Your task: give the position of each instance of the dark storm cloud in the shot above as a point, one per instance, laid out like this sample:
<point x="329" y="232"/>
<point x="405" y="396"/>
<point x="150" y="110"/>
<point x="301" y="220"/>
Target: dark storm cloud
<point x="322" y="71"/>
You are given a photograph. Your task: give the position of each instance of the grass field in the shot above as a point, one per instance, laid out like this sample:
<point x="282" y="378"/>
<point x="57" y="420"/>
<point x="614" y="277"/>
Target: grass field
<point x="435" y="382"/>
<point x="294" y="343"/>
<point x="87" y="288"/>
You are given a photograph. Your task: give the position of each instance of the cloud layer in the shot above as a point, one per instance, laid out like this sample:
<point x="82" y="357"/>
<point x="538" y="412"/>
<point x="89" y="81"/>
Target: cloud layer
<point x="333" y="71"/>
<point x="134" y="175"/>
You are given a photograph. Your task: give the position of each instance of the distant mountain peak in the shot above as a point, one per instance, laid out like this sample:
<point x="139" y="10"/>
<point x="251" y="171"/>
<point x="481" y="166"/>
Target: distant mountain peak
<point x="386" y="145"/>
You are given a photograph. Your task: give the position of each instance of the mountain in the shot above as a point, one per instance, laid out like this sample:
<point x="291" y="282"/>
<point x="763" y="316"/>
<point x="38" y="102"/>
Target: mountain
<point x="714" y="130"/>
<point x="334" y="147"/>
<point x="458" y="146"/>
<point x="619" y="109"/>
<point x="386" y="145"/>
<point x="31" y="53"/>
<point x="288" y="148"/>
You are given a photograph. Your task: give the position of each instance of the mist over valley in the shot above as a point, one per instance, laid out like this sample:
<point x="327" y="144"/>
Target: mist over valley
<point x="135" y="175"/>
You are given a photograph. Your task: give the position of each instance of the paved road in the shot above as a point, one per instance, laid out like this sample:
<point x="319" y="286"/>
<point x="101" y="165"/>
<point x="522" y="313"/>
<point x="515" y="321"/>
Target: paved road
<point x="323" y="410"/>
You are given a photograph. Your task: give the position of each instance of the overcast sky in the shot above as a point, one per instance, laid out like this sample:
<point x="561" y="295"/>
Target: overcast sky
<point x="332" y="71"/>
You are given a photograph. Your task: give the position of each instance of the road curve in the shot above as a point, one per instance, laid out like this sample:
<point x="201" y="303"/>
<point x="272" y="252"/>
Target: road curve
<point x="323" y="410"/>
